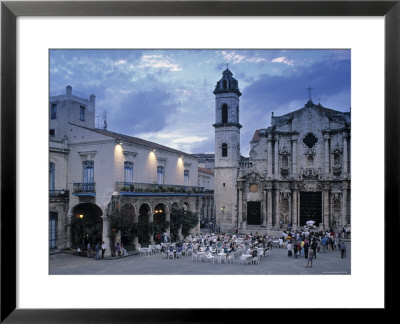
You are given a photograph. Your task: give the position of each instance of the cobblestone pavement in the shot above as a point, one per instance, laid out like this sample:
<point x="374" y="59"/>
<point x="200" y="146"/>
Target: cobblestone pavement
<point x="279" y="264"/>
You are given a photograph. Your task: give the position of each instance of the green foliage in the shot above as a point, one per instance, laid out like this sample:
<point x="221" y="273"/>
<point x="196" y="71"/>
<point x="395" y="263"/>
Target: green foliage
<point x="185" y="219"/>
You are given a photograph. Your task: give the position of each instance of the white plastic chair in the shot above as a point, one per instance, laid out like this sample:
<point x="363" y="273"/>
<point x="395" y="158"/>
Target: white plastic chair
<point x="231" y="258"/>
<point x="209" y="257"/>
<point x="244" y="259"/>
<point x="195" y="256"/>
<point x="171" y="254"/>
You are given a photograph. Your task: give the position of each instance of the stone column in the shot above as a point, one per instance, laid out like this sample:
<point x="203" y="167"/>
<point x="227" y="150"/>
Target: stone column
<point x="298" y="209"/>
<point x="277" y="207"/>
<point x="294" y="155"/>
<point x="290" y="209"/>
<point x="200" y="204"/>
<point x="269" y="207"/>
<point x="151" y="219"/>
<point x="276" y="158"/>
<point x="240" y="207"/>
<point x="325" y="217"/>
<point x="326" y="142"/>
<point x="345" y="157"/>
<point x="106" y="235"/>
<point x="344" y="203"/>
<point x="136" y="238"/>
<point x="69" y="238"/>
<point x="294" y="207"/>
<point x="269" y="145"/>
<point x="264" y="210"/>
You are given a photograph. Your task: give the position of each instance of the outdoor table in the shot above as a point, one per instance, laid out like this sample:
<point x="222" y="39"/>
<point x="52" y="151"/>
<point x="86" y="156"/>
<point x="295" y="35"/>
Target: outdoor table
<point x="220" y="255"/>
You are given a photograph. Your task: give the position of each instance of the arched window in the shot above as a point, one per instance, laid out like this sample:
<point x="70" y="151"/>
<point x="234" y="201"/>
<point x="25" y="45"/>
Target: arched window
<point x="224" y="151"/>
<point x="186" y="177"/>
<point x="224" y="113"/>
<point x="224" y="84"/>
<point x="160" y="175"/>
<point x="128" y="173"/>
<point x="52" y="171"/>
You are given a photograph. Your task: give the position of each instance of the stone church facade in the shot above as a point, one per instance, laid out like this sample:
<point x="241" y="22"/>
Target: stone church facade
<point x="298" y="169"/>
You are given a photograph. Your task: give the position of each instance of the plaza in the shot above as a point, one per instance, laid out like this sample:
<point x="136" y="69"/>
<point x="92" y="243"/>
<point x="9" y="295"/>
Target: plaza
<point x="329" y="263"/>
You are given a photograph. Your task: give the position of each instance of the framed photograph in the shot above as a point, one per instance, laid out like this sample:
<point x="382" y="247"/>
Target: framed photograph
<point x="254" y="45"/>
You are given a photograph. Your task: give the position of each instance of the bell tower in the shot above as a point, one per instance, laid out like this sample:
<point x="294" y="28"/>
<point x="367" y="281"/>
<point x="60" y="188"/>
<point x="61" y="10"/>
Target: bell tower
<point x="227" y="150"/>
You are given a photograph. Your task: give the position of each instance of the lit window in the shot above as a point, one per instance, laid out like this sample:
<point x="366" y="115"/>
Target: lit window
<point x="160" y="175"/>
<point x="53" y="114"/>
<point x="82" y="113"/>
<point x="128" y="172"/>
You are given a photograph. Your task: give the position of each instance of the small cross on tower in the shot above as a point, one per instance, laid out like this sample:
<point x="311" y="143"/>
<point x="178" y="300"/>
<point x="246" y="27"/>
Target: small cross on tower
<point x="309" y="92"/>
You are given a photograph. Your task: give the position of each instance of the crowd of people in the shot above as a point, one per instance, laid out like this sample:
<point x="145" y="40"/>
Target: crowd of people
<point x="299" y="243"/>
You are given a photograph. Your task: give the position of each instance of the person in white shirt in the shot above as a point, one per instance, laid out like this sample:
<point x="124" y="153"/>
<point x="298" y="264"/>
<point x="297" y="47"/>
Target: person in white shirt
<point x="289" y="248"/>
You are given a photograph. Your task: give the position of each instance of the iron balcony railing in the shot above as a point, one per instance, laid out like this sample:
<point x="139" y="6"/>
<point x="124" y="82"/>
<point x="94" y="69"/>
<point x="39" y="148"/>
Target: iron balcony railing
<point x="84" y="187"/>
<point x="59" y="194"/>
<point x="157" y="188"/>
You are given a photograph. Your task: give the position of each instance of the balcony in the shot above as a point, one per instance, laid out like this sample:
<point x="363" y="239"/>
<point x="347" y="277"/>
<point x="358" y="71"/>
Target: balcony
<point x="59" y="195"/>
<point x="84" y="189"/>
<point x="154" y="189"/>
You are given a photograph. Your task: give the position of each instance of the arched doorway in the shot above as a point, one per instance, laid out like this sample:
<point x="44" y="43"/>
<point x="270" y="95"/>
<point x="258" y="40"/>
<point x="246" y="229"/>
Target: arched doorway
<point x="142" y="226"/>
<point x="86" y="225"/>
<point x="160" y="224"/>
<point x="127" y="219"/>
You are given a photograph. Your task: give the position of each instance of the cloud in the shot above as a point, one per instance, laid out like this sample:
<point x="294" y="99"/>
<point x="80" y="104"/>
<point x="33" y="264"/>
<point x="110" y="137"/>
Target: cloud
<point x="141" y="112"/>
<point x="159" y="62"/>
<point x="283" y="59"/>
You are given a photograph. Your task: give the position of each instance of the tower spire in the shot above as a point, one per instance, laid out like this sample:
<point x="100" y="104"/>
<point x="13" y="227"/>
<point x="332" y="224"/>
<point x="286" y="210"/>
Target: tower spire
<point x="309" y="92"/>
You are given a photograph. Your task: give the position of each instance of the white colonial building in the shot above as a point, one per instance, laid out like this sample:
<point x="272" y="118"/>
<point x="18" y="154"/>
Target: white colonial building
<point x="298" y="169"/>
<point x="94" y="170"/>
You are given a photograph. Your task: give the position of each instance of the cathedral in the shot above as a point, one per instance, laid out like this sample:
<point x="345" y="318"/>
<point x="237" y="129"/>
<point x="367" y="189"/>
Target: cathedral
<point x="298" y="168"/>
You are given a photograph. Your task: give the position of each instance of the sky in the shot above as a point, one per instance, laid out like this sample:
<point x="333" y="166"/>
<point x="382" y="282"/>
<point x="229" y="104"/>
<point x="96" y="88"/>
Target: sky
<point x="165" y="96"/>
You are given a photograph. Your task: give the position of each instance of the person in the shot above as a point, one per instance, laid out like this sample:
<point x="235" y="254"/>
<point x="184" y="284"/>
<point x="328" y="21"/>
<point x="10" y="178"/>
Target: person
<point x="97" y="251"/>
<point x="314" y="247"/>
<point x="88" y="250"/>
<point x="253" y="256"/>
<point x="324" y="243"/>
<point x="124" y="250"/>
<point x="289" y="248"/>
<point x="280" y="242"/>
<point x="295" y="250"/>
<point x="310" y="257"/>
<point x="78" y="251"/>
<point x="103" y="249"/>
<point x="342" y="249"/>
<point x="305" y="247"/>
<point x="118" y="249"/>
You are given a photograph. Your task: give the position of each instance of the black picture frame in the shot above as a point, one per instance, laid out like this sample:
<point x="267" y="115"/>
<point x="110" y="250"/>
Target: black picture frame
<point x="10" y="10"/>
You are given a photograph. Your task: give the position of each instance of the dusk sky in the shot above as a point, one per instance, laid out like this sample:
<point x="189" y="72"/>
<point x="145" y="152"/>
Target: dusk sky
<point x="165" y="96"/>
